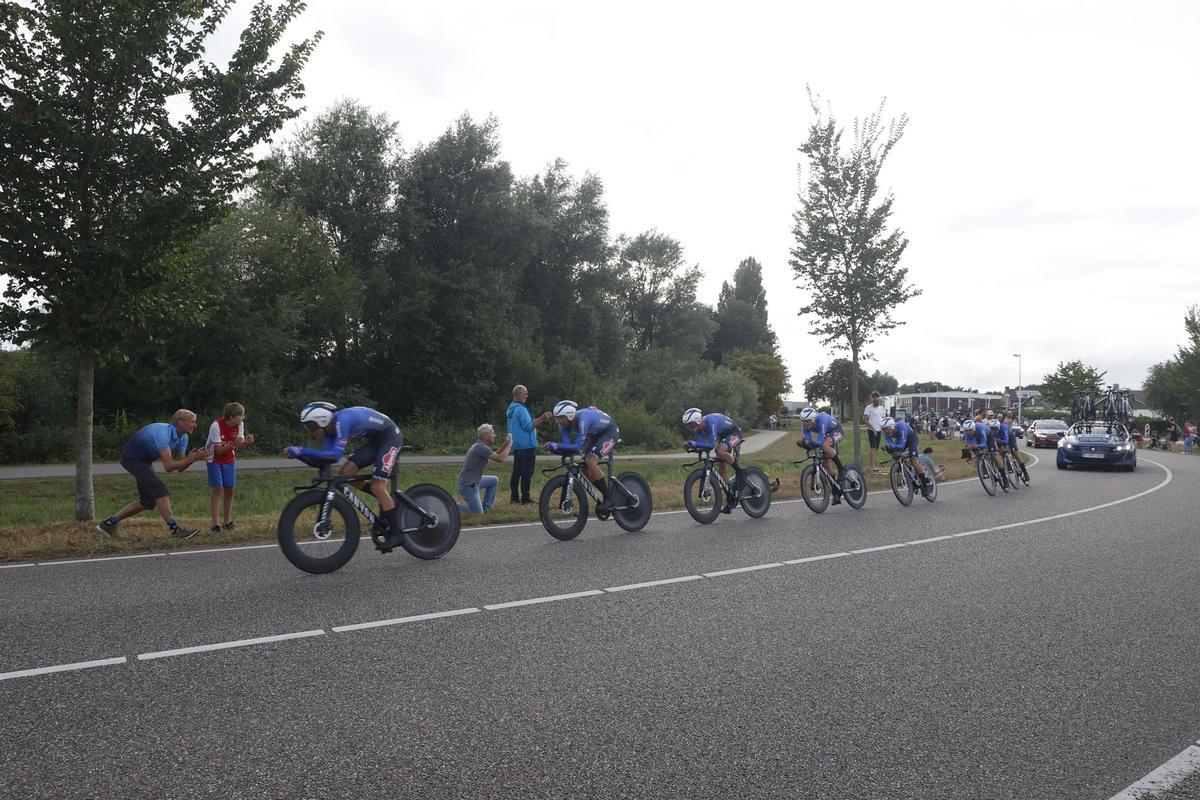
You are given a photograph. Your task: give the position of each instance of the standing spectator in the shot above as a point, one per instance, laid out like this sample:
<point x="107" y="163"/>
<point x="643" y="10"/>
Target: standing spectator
<point x="522" y="427"/>
<point x="225" y="436"/>
<point x="1172" y="432"/>
<point x="873" y="416"/>
<point x="156" y="440"/>
<point x="471" y="480"/>
<point x="1189" y="435"/>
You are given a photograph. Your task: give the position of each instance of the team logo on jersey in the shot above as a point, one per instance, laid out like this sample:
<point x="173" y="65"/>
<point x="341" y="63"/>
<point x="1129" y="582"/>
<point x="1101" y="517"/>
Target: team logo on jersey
<point x="607" y="447"/>
<point x="389" y="460"/>
<point x="735" y="440"/>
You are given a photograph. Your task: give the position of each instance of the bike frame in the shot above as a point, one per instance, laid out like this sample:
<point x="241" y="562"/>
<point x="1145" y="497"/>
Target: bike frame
<point x="340" y="484"/>
<point x="818" y="456"/>
<point x="574" y="466"/>
<point x="706" y="458"/>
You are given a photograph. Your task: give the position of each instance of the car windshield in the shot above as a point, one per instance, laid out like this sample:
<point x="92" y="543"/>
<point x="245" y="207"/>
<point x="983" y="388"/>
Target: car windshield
<point x="1099" y="429"/>
<point x="1051" y="425"/>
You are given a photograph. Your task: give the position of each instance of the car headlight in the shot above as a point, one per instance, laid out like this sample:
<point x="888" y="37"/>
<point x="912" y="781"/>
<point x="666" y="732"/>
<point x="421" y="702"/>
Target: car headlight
<point x="1067" y="445"/>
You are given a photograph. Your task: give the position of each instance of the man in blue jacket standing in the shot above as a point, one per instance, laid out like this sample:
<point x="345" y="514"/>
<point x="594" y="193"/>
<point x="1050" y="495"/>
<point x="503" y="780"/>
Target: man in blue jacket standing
<point x="523" y="428"/>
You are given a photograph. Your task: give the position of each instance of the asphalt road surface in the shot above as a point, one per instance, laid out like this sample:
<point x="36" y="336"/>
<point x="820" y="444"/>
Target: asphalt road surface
<point x="1037" y="645"/>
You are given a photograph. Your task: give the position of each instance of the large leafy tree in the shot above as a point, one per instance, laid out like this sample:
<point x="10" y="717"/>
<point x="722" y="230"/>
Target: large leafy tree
<point x="846" y="257"/>
<point x="1174" y="386"/>
<point x="741" y="314"/>
<point x="883" y="382"/>
<point x="840" y="383"/>
<point x="1068" y="376"/>
<point x="102" y="188"/>
<point x="769" y="374"/>
<point x="659" y="294"/>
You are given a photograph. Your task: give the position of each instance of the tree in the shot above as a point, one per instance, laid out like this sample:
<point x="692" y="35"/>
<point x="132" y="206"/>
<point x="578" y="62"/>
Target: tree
<point x="769" y="375"/>
<point x="1068" y="376"/>
<point x="102" y="190"/>
<point x="1174" y="386"/>
<point x="659" y="294"/>
<point x="926" y="387"/>
<point x="883" y="382"/>
<point x="836" y="383"/>
<point x="845" y="257"/>
<point x="741" y="315"/>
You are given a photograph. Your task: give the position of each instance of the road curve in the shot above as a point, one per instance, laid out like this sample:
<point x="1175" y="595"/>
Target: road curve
<point x="1042" y="644"/>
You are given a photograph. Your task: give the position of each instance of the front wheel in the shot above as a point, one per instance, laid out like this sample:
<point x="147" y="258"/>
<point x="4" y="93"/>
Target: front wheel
<point x="702" y="498"/>
<point x="815" y="489"/>
<point x="563" y="513"/>
<point x="638" y="504"/>
<point x="756" y="494"/>
<point x="315" y="545"/>
<point x="985" y="476"/>
<point x="1014" y="475"/>
<point x="430" y="540"/>
<point x="901" y="486"/>
<point x="854" y="485"/>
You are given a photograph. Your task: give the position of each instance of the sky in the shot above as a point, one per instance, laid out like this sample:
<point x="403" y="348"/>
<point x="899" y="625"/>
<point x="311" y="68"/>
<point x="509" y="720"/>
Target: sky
<point x="1046" y="181"/>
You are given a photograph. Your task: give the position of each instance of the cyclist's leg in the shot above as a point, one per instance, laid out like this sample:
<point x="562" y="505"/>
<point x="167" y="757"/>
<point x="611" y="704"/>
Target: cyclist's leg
<point x="724" y="459"/>
<point x="829" y="447"/>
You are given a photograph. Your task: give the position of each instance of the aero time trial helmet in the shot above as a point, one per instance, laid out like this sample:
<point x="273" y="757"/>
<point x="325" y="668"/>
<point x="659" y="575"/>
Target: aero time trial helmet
<point x="808" y="415"/>
<point x="317" y="415"/>
<point x="993" y="423"/>
<point x="691" y="416"/>
<point x="888" y="422"/>
<point x="968" y="425"/>
<point x="566" y="408"/>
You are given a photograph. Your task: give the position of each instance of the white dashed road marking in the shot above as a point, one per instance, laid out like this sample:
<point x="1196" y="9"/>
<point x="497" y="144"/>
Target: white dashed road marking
<point x="204" y="648"/>
<point x="1182" y="766"/>
<point x="25" y="673"/>
<point x="458" y="612"/>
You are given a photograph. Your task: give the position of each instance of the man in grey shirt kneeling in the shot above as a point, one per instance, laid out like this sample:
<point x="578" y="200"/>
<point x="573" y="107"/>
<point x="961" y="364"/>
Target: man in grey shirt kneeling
<point x="471" y="480"/>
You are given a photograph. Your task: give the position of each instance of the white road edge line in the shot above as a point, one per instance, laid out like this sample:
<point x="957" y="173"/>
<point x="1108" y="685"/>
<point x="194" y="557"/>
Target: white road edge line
<point x="648" y="584"/>
<point x="536" y="600"/>
<point x="807" y="559"/>
<point x="862" y="550"/>
<point x="736" y="570"/>
<point x="930" y="539"/>
<point x="25" y="673"/>
<point x="458" y="612"/>
<point x="465" y="530"/>
<point x="92" y="560"/>
<point x="1165" y="777"/>
<point x="204" y="648"/>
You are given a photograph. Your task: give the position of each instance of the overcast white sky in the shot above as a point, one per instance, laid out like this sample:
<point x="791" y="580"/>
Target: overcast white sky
<point x="1049" y="171"/>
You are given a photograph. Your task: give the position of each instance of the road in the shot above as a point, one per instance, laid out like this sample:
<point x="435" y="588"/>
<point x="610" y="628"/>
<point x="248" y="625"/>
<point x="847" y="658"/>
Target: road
<point x="755" y="442"/>
<point x="1037" y="645"/>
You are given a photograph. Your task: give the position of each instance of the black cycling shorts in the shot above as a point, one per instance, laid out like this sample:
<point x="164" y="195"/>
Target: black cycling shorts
<point x="873" y="438"/>
<point x="150" y="487"/>
<point x="381" y="450"/>
<point x="602" y="442"/>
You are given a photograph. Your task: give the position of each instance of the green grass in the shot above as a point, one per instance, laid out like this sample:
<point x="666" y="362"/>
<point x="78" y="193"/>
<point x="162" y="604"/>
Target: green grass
<point x="36" y="515"/>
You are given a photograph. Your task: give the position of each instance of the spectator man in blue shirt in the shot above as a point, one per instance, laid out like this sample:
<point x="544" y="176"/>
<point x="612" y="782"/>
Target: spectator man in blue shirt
<point x="523" y="428"/>
<point x="157" y="440"/>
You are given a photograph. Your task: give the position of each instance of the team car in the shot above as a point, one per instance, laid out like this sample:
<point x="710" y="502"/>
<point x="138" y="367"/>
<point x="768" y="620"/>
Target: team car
<point x="1098" y="444"/>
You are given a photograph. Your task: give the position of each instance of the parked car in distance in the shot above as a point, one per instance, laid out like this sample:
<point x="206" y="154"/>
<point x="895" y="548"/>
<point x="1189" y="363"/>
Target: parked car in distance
<point x="1045" y="432"/>
<point x="1098" y="444"/>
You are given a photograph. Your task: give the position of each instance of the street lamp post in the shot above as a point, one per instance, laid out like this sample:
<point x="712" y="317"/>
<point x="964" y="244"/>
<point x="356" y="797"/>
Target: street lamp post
<point x="1017" y="356"/>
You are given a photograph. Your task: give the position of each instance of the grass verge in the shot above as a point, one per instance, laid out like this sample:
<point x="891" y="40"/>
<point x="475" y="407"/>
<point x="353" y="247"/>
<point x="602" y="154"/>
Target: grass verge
<point x="36" y="524"/>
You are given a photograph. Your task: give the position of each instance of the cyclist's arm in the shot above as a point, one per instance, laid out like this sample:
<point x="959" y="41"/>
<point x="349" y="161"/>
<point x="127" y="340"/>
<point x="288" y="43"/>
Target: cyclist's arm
<point x="334" y="448"/>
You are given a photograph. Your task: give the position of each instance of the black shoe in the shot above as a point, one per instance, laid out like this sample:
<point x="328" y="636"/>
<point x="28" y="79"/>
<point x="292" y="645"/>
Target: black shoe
<point x="527" y="502"/>
<point x="184" y="533"/>
<point x="228" y="526"/>
<point x="215" y="529"/>
<point x="107" y="528"/>
<point x="727" y="508"/>
<point x="604" y="506"/>
<point x="514" y="501"/>
<point x="837" y="501"/>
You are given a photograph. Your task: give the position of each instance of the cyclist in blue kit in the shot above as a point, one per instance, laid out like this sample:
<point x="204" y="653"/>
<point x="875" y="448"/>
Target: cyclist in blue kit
<point x="591" y="432"/>
<point x="899" y="437"/>
<point x="381" y="442"/>
<point x="720" y="434"/>
<point x="823" y="431"/>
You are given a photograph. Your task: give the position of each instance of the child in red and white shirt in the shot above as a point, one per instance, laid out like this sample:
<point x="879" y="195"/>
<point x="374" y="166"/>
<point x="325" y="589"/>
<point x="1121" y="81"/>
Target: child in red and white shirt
<point x="225" y="436"/>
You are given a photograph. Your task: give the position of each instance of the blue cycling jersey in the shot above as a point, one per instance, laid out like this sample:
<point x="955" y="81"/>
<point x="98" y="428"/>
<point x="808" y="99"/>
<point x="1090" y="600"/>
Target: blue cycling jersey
<point x="824" y="425"/>
<point x="147" y="442"/>
<point x="588" y="422"/>
<point x="351" y="423"/>
<point x="976" y="436"/>
<point x="714" y="428"/>
<point x="1002" y="434"/>
<point x="900" y="436"/>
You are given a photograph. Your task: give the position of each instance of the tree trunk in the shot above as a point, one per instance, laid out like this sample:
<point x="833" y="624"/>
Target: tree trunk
<point x="855" y="414"/>
<point x="85" y="498"/>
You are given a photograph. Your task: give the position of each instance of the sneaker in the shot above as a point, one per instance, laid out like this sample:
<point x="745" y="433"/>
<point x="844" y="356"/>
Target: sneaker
<point x="107" y="528"/>
<point x="228" y="526"/>
<point x="215" y="529"/>
<point x="184" y="533"/>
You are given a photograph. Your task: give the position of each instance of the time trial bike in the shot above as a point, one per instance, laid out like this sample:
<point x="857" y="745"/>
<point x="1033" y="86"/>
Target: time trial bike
<point x="906" y="482"/>
<point x="818" y="485"/>
<point x="563" y="503"/>
<point x="706" y="493"/>
<point x="319" y="528"/>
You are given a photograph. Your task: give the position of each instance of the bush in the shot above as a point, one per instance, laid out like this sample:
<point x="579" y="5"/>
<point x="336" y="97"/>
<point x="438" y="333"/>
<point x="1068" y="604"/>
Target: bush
<point x="641" y="431"/>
